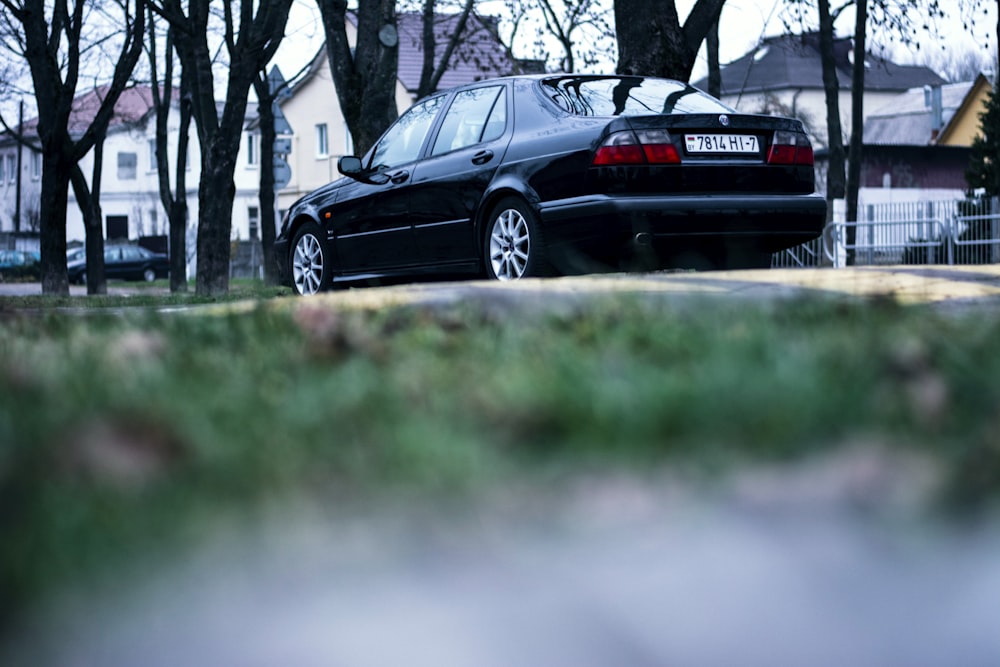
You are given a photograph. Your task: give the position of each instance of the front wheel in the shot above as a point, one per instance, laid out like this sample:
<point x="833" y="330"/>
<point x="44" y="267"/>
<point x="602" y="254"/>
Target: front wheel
<point x="310" y="260"/>
<point x="514" y="247"/>
<point x="149" y="275"/>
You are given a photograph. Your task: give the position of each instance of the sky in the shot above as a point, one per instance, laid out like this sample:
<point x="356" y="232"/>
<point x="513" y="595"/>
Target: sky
<point x="743" y="25"/>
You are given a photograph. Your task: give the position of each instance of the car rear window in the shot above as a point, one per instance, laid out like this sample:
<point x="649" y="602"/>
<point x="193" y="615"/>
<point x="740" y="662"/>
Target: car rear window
<point x="628" y="96"/>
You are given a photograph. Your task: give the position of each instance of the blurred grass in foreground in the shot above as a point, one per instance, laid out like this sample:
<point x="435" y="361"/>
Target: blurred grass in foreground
<point x="123" y="433"/>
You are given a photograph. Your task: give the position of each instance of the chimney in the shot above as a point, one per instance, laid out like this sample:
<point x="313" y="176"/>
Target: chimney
<point x="932" y="101"/>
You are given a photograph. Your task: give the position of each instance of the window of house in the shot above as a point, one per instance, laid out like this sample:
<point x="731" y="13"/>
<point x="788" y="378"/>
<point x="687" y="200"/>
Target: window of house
<point x="253" y="215"/>
<point x="152" y="155"/>
<point x="36" y="165"/>
<point x="3" y="174"/>
<point x="253" y="152"/>
<point x="322" y="141"/>
<point x="126" y="166"/>
<point x="11" y="168"/>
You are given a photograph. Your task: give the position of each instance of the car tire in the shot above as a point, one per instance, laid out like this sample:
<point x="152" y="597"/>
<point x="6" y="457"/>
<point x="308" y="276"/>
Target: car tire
<point x="83" y="278"/>
<point x="514" y="247"/>
<point x="309" y="260"/>
<point x="149" y="275"/>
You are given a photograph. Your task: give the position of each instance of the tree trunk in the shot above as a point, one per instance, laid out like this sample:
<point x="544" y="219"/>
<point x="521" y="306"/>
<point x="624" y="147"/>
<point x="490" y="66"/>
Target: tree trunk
<point x="177" y="210"/>
<point x="857" y="123"/>
<point x="89" y="198"/>
<point x="216" y="193"/>
<point x="265" y="100"/>
<point x="56" y="176"/>
<point x="657" y="45"/>
<point x="365" y="76"/>
<point x="714" y="70"/>
<point x="836" y="162"/>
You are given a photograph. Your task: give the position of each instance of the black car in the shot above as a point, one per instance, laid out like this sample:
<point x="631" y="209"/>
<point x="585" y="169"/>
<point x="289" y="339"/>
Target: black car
<point x="535" y="175"/>
<point x="122" y="262"/>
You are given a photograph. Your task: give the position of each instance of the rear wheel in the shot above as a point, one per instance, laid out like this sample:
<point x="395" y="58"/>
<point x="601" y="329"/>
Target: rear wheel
<point x="514" y="247"/>
<point x="149" y="275"/>
<point x="310" y="260"/>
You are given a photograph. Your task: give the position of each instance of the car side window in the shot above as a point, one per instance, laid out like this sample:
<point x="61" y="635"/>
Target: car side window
<point x="474" y="116"/>
<point x="402" y="142"/>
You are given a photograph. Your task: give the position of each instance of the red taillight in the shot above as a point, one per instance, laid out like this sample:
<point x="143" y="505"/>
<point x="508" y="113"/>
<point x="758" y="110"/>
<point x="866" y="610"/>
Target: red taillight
<point x="790" y="148"/>
<point x="644" y="147"/>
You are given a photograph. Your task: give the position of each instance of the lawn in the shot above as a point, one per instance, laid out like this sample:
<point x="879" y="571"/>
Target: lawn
<point x="125" y="429"/>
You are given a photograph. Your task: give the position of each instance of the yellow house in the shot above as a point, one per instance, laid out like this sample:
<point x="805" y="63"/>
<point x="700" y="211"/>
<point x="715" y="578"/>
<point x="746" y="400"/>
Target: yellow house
<point x="963" y="126"/>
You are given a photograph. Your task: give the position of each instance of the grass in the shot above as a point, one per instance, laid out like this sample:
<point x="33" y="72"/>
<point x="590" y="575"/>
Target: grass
<point x="142" y="294"/>
<point x="122" y="431"/>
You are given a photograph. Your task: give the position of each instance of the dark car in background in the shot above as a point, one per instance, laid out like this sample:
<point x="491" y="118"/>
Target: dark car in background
<point x="121" y="262"/>
<point x="19" y="264"/>
<point x="540" y="175"/>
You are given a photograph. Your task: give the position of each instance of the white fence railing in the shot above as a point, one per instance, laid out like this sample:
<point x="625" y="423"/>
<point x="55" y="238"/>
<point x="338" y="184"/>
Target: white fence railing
<point x="933" y="232"/>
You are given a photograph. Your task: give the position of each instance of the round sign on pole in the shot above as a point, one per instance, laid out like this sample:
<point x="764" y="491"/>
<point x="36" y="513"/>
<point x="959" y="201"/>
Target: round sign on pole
<point x="282" y="173"/>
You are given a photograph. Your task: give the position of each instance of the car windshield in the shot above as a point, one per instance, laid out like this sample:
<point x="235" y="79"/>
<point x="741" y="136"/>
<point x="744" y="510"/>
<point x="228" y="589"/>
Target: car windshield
<point x="628" y="96"/>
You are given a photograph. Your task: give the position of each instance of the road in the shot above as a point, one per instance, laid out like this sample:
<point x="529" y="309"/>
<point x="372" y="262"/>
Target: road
<point x="905" y="284"/>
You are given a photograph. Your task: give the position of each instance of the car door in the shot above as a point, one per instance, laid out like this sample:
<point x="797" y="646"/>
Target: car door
<point x="113" y="263"/>
<point x="449" y="183"/>
<point x="371" y="223"/>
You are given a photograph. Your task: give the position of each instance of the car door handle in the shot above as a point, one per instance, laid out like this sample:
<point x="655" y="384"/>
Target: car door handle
<point x="482" y="157"/>
<point x="400" y="176"/>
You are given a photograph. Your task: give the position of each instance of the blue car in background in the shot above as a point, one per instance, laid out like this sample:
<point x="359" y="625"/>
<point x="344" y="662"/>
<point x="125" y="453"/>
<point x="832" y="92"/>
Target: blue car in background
<point x="19" y="264"/>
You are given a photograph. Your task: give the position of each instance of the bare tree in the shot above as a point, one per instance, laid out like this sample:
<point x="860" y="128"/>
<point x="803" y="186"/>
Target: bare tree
<point x="658" y="45"/>
<point x="88" y="196"/>
<point x="250" y="41"/>
<point x="53" y="44"/>
<point x="433" y="67"/>
<point x="566" y="20"/>
<point x="365" y="75"/>
<point x="174" y="200"/>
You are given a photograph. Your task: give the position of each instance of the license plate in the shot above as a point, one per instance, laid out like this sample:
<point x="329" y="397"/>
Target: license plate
<point x="721" y="143"/>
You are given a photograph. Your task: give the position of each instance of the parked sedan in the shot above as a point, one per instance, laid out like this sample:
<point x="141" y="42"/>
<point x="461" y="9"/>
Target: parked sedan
<point x="123" y="262"/>
<point x="538" y="175"/>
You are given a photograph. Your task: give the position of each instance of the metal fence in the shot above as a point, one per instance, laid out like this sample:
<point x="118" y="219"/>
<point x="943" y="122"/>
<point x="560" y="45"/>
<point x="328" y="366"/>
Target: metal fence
<point x="928" y="232"/>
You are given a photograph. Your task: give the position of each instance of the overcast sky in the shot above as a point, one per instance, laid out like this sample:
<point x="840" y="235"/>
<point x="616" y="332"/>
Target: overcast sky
<point x="744" y="24"/>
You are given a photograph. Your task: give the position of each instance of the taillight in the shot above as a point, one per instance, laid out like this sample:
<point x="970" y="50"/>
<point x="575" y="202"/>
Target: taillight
<point x="643" y="147"/>
<point x="790" y="148"/>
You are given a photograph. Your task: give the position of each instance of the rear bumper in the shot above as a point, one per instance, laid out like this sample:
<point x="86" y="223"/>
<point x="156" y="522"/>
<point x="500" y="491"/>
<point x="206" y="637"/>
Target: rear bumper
<point x="607" y="226"/>
<point x="765" y="215"/>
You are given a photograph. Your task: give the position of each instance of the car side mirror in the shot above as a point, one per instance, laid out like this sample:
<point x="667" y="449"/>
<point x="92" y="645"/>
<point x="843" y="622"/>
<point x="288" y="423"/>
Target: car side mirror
<point x="350" y="166"/>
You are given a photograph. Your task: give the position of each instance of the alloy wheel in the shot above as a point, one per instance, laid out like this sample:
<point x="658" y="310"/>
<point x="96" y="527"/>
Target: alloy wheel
<point x="307" y="264"/>
<point x="510" y="244"/>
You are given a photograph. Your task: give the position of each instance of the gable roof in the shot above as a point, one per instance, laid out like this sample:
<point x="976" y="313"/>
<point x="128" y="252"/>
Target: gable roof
<point x="909" y="119"/>
<point x="478" y="55"/>
<point x="793" y="61"/>
<point x="133" y="106"/>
